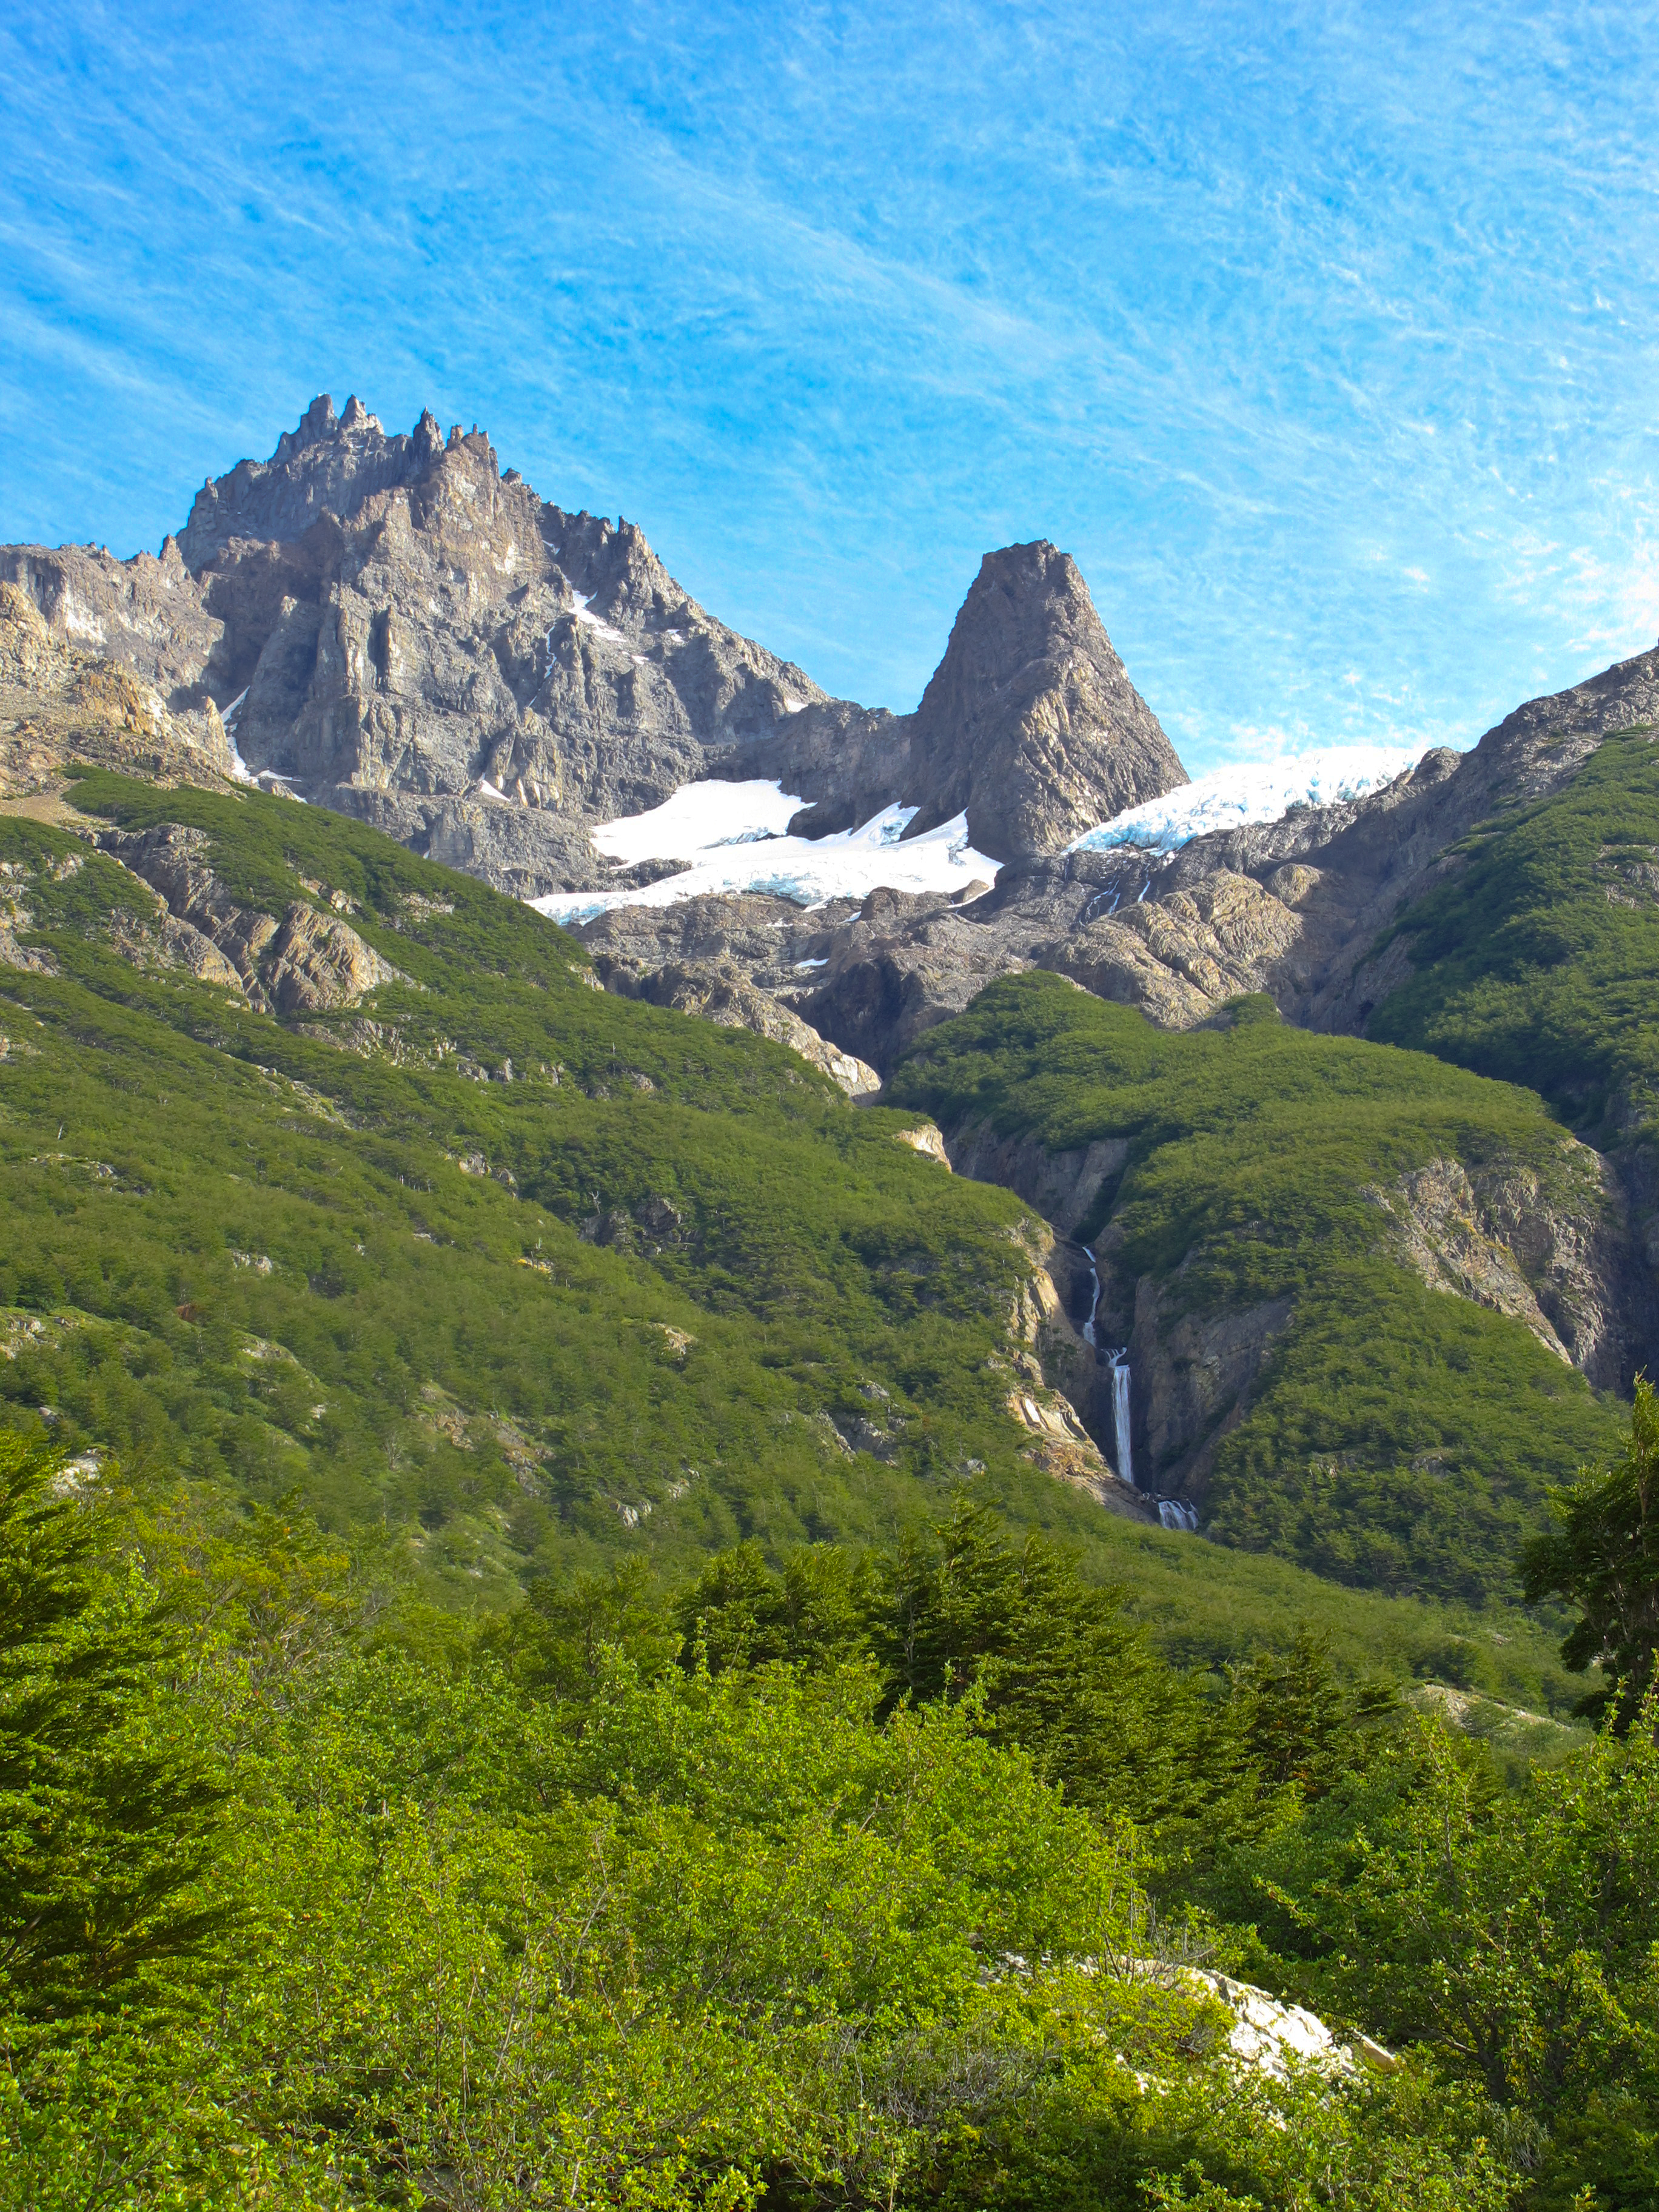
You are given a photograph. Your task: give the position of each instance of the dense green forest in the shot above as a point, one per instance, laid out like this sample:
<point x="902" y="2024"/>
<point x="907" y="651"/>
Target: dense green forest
<point x="633" y="1302"/>
<point x="904" y="1878"/>
<point x="1400" y="1437"/>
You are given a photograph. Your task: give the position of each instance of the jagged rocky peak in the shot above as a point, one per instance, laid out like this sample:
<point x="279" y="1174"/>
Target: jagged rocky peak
<point x="330" y="464"/>
<point x="1030" y="722"/>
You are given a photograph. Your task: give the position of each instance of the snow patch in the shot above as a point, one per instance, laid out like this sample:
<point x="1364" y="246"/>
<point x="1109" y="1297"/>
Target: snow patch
<point x="1250" y="792"/>
<point x="733" y="838"/>
<point x="579" y="604"/>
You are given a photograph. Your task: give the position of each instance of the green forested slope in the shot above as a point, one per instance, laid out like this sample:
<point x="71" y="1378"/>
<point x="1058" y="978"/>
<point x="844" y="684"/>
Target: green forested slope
<point x="274" y="1260"/>
<point x="438" y="1357"/>
<point x="1398" y="1436"/>
<point x="1536" y="959"/>
<point x="832" y="1887"/>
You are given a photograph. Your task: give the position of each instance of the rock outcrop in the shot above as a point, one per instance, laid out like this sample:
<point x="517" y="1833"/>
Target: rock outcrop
<point x="62" y="701"/>
<point x="299" y="962"/>
<point x="1553" y="1252"/>
<point x="721" y="995"/>
<point x="1030" y="722"/>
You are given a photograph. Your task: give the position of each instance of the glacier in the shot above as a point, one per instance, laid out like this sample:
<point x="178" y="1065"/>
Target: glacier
<point x="1248" y="791"/>
<point x="734" y="837"/>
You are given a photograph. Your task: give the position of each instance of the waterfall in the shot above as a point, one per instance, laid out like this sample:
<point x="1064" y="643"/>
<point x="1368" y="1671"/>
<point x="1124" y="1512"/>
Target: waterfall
<point x="1176" y="1513"/>
<point x="1120" y="1366"/>
<point x="1089" y="1336"/>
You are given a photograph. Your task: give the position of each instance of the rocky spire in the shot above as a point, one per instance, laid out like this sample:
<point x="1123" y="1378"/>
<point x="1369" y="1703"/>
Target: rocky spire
<point x="1030" y="722"/>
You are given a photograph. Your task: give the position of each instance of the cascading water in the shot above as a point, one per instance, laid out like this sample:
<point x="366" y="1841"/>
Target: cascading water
<point x="1119" y="1362"/>
<point x="1089" y="1336"/>
<point x="1176" y="1513"/>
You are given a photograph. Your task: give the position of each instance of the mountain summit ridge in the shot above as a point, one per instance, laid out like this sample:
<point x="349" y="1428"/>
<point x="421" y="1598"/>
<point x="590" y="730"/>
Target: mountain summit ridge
<point x="395" y="627"/>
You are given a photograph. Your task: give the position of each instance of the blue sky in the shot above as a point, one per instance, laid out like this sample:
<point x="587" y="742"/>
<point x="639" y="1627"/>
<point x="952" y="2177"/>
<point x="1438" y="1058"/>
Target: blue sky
<point x="1322" y="336"/>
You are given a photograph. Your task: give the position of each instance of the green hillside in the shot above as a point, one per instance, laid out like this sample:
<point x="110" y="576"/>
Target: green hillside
<point x="441" y="1359"/>
<point x="1535" y="961"/>
<point x="1399" y="1437"/>
<point x="422" y="1295"/>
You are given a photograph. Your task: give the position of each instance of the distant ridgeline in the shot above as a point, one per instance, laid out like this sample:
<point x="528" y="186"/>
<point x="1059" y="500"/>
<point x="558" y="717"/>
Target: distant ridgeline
<point x="351" y="1184"/>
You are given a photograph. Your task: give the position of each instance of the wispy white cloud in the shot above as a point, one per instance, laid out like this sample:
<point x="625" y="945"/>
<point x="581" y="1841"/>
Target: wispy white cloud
<point x="1320" y="335"/>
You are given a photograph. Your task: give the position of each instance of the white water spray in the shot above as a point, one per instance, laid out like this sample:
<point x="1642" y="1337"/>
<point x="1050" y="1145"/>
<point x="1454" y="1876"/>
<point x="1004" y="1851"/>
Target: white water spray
<point x="1119" y="1363"/>
<point x="1176" y="1513"/>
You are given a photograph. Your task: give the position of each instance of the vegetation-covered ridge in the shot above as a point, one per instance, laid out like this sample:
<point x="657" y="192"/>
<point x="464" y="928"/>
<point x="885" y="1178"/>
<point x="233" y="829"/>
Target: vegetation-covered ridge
<point x="490" y="1256"/>
<point x="1395" y="1435"/>
<point x="1534" y="960"/>
<point x="644" y="1298"/>
<point x="896" y="1880"/>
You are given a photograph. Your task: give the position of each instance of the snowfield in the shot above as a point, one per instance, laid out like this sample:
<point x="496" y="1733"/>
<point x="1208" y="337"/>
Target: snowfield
<point x="732" y="837"/>
<point x="1250" y="792"/>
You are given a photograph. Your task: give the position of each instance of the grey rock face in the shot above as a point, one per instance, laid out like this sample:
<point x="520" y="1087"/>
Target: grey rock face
<point x="59" y="702"/>
<point x="396" y="628"/>
<point x="1030" y="722"/>
<point x="297" y="963"/>
<point x="719" y="994"/>
<point x="146" y="615"/>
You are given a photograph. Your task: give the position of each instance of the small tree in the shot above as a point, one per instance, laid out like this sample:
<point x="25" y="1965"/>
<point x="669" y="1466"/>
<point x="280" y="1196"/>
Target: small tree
<point x="1603" y="1557"/>
<point x="107" y="1814"/>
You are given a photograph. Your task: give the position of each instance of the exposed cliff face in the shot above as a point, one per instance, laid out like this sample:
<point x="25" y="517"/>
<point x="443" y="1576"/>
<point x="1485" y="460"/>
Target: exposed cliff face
<point x="293" y="963"/>
<point x="1557" y="1255"/>
<point x="396" y="628"/>
<point x="1030" y="722"/>
<point x="1064" y="1187"/>
<point x="719" y="994"/>
<point x="59" y="702"/>
<point x="146" y="616"/>
<point x="393" y="627"/>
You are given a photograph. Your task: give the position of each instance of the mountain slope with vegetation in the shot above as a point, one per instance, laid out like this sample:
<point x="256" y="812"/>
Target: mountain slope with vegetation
<point x="1254" y="1246"/>
<point x="662" y="1291"/>
<point x="1533" y="959"/>
<point x="486" y="1250"/>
